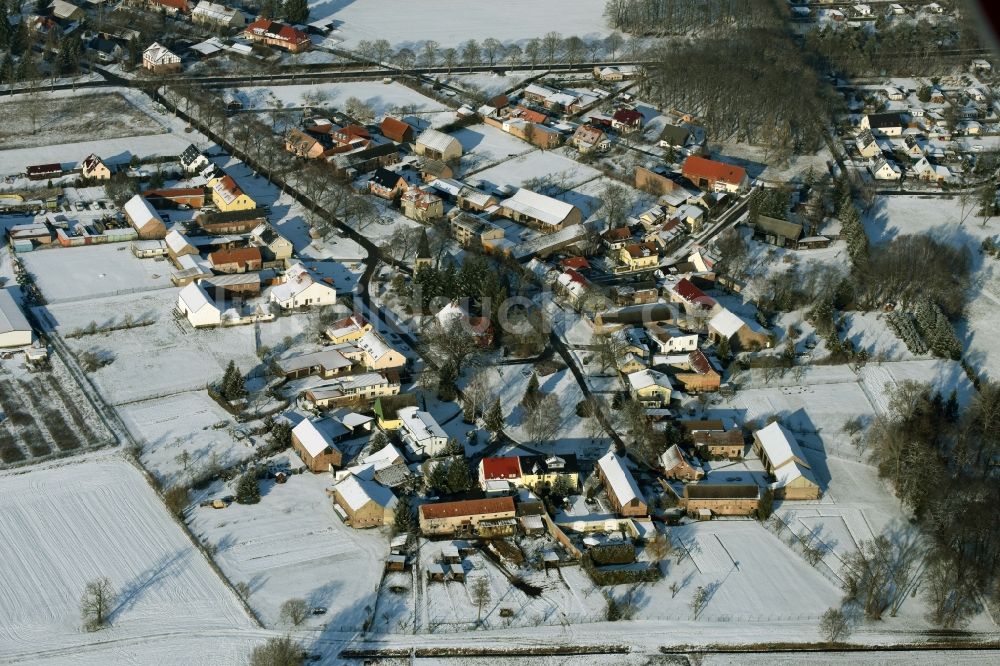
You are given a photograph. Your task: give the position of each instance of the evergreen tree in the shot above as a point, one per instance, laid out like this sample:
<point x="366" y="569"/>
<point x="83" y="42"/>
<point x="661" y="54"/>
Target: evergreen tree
<point x="459" y="477"/>
<point x="855" y="234"/>
<point x="133" y="57"/>
<point x="296" y="11"/>
<point x="379" y="440"/>
<point x="532" y="394"/>
<point x="19" y="39"/>
<point x="403" y="520"/>
<point x="247" y="490"/>
<point x="269" y="9"/>
<point x="6" y="30"/>
<point x="437" y="480"/>
<point x="493" y="418"/>
<point x="233" y="383"/>
<point x="7" y="69"/>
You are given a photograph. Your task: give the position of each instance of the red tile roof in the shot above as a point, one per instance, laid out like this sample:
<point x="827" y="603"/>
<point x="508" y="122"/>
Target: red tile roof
<point x="699" y="362"/>
<point x="501" y="468"/>
<point x="628" y="116"/>
<point x="241" y="256"/>
<point x="466" y="508"/>
<point x="575" y="262"/>
<point x="529" y="115"/>
<point x="617" y="234"/>
<point x="179" y="5"/>
<point x="395" y="129"/>
<point x="692" y="294"/>
<point x="696" y="167"/>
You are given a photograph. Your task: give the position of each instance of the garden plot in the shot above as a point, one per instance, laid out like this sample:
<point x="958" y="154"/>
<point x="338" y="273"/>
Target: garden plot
<point x="942" y="217"/>
<point x="67" y="524"/>
<point x="484" y="146"/>
<point x="871" y="331"/>
<point x="152" y="361"/>
<point x="449" y="22"/>
<point x="184" y="422"/>
<point x="76" y="273"/>
<point x="748" y="573"/>
<point x="587" y="197"/>
<point x="45" y="413"/>
<point x="942" y="375"/>
<point x="546" y="167"/>
<point x="31" y="121"/>
<point x="490" y="83"/>
<point x="293" y="544"/>
<point x="383" y="98"/>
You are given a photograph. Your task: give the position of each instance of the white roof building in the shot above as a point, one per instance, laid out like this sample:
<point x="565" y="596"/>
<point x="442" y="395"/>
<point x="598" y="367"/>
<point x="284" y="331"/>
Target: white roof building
<point x="421" y="432"/>
<point x="372" y="344"/>
<point x="141" y="212"/>
<point x="301" y="288"/>
<point x="648" y="377"/>
<point x="620" y="480"/>
<point x="539" y="207"/>
<point x="779" y="445"/>
<point x="439" y="144"/>
<point x="210" y="12"/>
<point x="156" y="55"/>
<point x="726" y="323"/>
<point x="198" y="306"/>
<point x="15" y="331"/>
<point x="356" y="492"/>
<point x="315" y="436"/>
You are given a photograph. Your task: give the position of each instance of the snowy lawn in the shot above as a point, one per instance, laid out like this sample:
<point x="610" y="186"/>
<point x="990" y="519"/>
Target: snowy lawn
<point x="484" y="146"/>
<point x="67" y="274"/>
<point x="67" y="524"/>
<point x="292" y="544"/>
<point x="383" y="98"/>
<point x="561" y="171"/>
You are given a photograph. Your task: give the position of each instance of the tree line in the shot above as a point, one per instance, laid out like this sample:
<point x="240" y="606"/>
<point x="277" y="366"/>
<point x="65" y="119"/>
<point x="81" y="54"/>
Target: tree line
<point x="682" y="17"/>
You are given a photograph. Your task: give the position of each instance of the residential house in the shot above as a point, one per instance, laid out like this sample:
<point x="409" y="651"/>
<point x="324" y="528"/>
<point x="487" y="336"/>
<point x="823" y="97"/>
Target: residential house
<point x="472" y="231"/>
<point x="912" y="147"/>
<point x="277" y="34"/>
<point x="144" y="219"/>
<point x="236" y="260"/>
<point x="672" y="340"/>
<point x="94" y="169"/>
<point x="475" y="200"/>
<point x="351" y="389"/>
<point x="616" y="72"/>
<point x="273" y="246"/>
<point x="883" y="124"/>
<point x="924" y="170"/>
<point x="649" y="387"/>
<point x="675" y="465"/>
<point x="499" y="473"/>
<point x="883" y="169"/>
<point x="313" y="442"/>
<point x="365" y="502"/>
<point x="15" y="331"/>
<point x="377" y="354"/>
<point x="421" y="432"/>
<point x="66" y="11"/>
<point x="348" y="329"/>
<point x="300" y="287"/>
<point x="421" y="206"/>
<point x="784" y="460"/>
<point x="481" y="517"/>
<point x="193" y="160"/>
<point x="228" y="196"/>
<point x="715" y="176"/>
<point x="158" y="59"/>
<point x="216" y="223"/>
<point x="195" y="303"/>
<point x="431" y="170"/>
<point x="234" y="285"/>
<point x="176" y="197"/>
<point x="866" y="144"/>
<point x="626" y="120"/>
<point x="639" y="256"/>
<point x="326" y="363"/>
<point x="617" y="239"/>
<point x="308" y="144"/>
<point x="438" y="146"/>
<point x="691" y="297"/>
<point x="623" y="491"/>
<point x="387" y="184"/>
<point x="587" y="138"/>
<point x="537" y="470"/>
<point x="396" y="130"/>
<point x="539" y="211"/>
<point x="211" y="13"/>
<point x="675" y="137"/>
<point x="739" y="333"/>
<point x="365" y="160"/>
<point x="169" y="7"/>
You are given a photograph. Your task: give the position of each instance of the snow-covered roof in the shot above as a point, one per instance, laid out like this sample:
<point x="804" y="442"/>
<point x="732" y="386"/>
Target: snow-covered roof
<point x="436" y="140"/>
<point x="176" y="241"/>
<point x="450" y="313"/>
<point x="297" y="279"/>
<point x="313" y="439"/>
<point x="726" y="323"/>
<point x="538" y="206"/>
<point x="646" y="378"/>
<point x="373" y="344"/>
<point x="11" y="317"/>
<point x="421" y="425"/>
<point x="789" y="472"/>
<point x="779" y="445"/>
<point x="213" y="11"/>
<point x="620" y="480"/>
<point x="159" y="54"/>
<point x="140" y="211"/>
<point x="384" y="457"/>
<point x="195" y="297"/>
<point x="357" y="492"/>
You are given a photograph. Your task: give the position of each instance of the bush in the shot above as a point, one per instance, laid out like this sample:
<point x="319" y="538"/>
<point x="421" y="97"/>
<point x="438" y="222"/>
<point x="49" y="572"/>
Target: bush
<point x="294" y="611"/>
<point x="177" y="499"/>
<point x="612" y="553"/>
<point x="277" y="652"/>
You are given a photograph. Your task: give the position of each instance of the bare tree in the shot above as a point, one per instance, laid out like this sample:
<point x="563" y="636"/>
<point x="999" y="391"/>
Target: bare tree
<point x="358" y="110"/>
<point x="294" y="611"/>
<point x="514" y="55"/>
<point x="381" y="49"/>
<point x="612" y="43"/>
<point x="698" y="602"/>
<point x="574" y="47"/>
<point x="493" y="49"/>
<point x="532" y="50"/>
<point x="95" y="605"/>
<point x="450" y="57"/>
<point x="405" y="58"/>
<point x="615" y="204"/>
<point x="551" y="43"/>
<point x="428" y="53"/>
<point x="471" y="53"/>
<point x="834" y="625"/>
<point x="480" y="596"/>
<point x="281" y="651"/>
<point x="544" y="420"/>
<point x="477" y="392"/>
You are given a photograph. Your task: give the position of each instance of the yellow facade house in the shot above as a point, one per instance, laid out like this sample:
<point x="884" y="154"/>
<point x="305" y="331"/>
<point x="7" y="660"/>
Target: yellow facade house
<point x="228" y="196"/>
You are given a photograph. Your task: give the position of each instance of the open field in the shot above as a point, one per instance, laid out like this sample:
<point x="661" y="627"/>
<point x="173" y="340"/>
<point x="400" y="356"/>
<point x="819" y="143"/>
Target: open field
<point x="76" y="273"/>
<point x="450" y="22"/>
<point x="292" y="544"/>
<point x="95" y="116"/>
<point x="66" y="525"/>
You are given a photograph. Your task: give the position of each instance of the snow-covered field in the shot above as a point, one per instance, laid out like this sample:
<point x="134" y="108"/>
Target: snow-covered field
<point x="292" y="544"/>
<point x="484" y="146"/>
<point x="67" y="524"/>
<point x="449" y="22"/>
<point x="383" y="98"/>
<point x="551" y="165"/>
<point x="71" y="274"/>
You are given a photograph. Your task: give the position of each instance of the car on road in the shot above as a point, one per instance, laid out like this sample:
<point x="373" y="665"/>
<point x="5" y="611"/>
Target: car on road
<point x="319" y="610"/>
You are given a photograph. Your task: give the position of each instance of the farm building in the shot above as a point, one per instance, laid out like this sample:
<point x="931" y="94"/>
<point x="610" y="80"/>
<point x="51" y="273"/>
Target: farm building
<point x="623" y="491"/>
<point x="784" y="460"/>
<point x="195" y="303"/>
<point x="15" y="331"/>
<point x="539" y="211"/>
<point x="365" y="502"/>
<point x="313" y="441"/>
<point x="438" y="146"/>
<point x="715" y="176"/>
<point x="144" y="219"/>
<point x="482" y="517"/>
